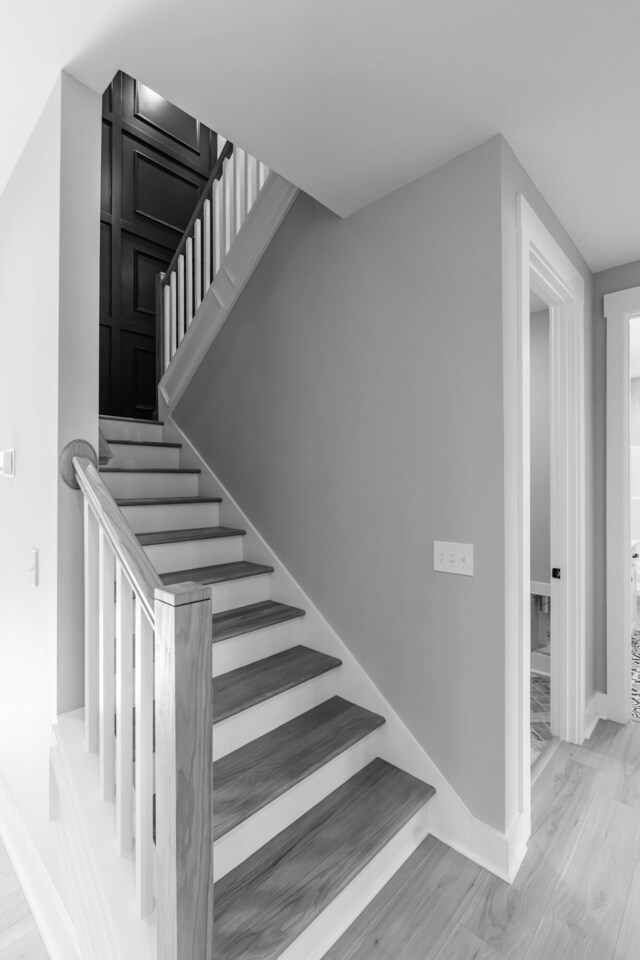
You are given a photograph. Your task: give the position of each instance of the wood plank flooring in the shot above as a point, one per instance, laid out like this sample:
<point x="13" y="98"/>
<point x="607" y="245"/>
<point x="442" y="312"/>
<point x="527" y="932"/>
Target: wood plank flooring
<point x="576" y="897"/>
<point x="19" y="937"/>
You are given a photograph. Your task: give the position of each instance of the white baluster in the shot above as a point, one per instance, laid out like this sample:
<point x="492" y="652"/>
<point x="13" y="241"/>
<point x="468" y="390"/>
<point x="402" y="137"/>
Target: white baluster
<point x="181" y="326"/>
<point x="252" y="181"/>
<point x="206" y="215"/>
<point x="166" y="315"/>
<point x="107" y="674"/>
<point x="91" y="631"/>
<point x="197" y="242"/>
<point x="124" y="711"/>
<point x="241" y="188"/>
<point x="174" y="313"/>
<point x="189" y="282"/>
<point x="144" y="762"/>
<point x="219" y="228"/>
<point x="228" y="182"/>
<point x="264" y="173"/>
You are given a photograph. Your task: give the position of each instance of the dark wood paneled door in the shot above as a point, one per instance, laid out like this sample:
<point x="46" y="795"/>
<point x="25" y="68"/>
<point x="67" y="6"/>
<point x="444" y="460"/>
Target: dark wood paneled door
<point x="155" y="161"/>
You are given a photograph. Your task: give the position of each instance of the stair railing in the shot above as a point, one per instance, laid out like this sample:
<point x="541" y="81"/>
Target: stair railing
<point x="231" y="191"/>
<point x="148" y="716"/>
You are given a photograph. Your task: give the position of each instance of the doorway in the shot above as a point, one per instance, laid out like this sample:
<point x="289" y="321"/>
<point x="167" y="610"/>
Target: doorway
<point x="540" y="525"/>
<point x="622" y="315"/>
<point x="544" y="269"/>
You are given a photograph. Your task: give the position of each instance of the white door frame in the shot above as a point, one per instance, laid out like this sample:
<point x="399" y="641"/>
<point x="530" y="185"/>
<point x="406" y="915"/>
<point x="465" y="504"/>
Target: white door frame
<point x="544" y="268"/>
<point x="618" y="309"/>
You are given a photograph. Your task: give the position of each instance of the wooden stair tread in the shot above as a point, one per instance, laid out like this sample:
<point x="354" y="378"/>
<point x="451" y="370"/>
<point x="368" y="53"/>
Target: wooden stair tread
<point x="251" y="777"/>
<point x="105" y="416"/>
<point x="161" y="501"/>
<point x="243" y="688"/>
<point x="142" y="443"/>
<point x="253" y="616"/>
<point x="148" y="470"/>
<point x="264" y="904"/>
<point x="196" y="533"/>
<point x="216" y="573"/>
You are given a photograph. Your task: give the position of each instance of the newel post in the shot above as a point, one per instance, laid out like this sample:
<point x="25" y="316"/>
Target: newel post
<point x="184" y="788"/>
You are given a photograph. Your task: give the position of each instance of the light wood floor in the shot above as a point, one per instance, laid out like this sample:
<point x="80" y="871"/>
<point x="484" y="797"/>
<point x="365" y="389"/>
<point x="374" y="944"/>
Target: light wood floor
<point x="19" y="936"/>
<point x="576" y="897"/>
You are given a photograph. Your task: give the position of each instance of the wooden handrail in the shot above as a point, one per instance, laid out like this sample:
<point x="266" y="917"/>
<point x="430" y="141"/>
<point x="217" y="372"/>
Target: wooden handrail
<point x="124" y="543"/>
<point x="225" y="153"/>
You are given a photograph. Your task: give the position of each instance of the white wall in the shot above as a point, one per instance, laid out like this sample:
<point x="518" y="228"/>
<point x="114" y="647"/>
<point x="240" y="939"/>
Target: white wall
<point x="540" y="447"/>
<point x="48" y="393"/>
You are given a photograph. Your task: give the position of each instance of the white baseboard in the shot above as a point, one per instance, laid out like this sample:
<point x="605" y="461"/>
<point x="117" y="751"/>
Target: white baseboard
<point x="450" y="820"/>
<point x="49" y="912"/>
<point x="596" y="709"/>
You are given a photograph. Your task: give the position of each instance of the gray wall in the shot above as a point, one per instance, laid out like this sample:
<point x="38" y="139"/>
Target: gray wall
<point x="540" y="448"/>
<point x="353" y="405"/>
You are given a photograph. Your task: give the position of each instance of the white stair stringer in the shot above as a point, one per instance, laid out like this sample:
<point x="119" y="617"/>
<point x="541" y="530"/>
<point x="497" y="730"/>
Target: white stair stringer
<point x="450" y="820"/>
<point x="264" y="218"/>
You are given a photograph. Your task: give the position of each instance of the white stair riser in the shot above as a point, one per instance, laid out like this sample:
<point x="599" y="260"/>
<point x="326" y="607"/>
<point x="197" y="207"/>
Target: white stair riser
<point x="174" y="516"/>
<point x="326" y="929"/>
<point x="236" y="731"/>
<point x="249" y="836"/>
<point x="240" y="651"/>
<point x="122" y="430"/>
<point x="135" y="485"/>
<point x="240" y="593"/>
<point x="140" y="456"/>
<point x="167" y="557"/>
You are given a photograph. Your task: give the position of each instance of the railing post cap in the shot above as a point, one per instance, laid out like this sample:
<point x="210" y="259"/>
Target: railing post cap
<point x="181" y="594"/>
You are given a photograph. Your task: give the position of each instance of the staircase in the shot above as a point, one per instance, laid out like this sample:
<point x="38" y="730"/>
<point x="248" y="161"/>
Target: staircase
<point x="309" y="822"/>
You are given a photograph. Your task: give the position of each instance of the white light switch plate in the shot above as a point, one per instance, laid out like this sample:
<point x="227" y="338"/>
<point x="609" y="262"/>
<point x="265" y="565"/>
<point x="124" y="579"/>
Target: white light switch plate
<point x="453" y="557"/>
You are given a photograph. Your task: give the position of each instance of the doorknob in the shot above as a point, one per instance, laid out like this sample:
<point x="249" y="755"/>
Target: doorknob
<point x="555" y="573"/>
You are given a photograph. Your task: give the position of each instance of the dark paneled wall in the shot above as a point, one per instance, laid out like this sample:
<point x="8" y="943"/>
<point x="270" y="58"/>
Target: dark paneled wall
<point x="155" y="161"/>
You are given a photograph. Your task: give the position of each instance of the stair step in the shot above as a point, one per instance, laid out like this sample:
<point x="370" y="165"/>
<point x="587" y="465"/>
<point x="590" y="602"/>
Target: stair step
<point x="162" y="501"/>
<point x="156" y="423"/>
<point x="180" y="536"/>
<point x="143" y="443"/>
<point x="255" y="616"/>
<point x="245" y="687"/>
<point x="217" y="573"/>
<point x="263" y="905"/>
<point x="251" y="777"/>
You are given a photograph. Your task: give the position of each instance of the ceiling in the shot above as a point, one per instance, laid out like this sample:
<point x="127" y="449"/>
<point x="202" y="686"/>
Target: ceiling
<point x="351" y="100"/>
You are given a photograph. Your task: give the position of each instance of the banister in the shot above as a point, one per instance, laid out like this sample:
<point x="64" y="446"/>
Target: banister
<point x="225" y="153"/>
<point x="124" y="542"/>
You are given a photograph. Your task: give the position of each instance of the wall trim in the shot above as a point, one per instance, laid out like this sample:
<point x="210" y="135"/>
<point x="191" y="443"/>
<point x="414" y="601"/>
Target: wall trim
<point x="544" y="267"/>
<point x="450" y="820"/>
<point x="596" y="709"/>
<point x="49" y="912"/>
